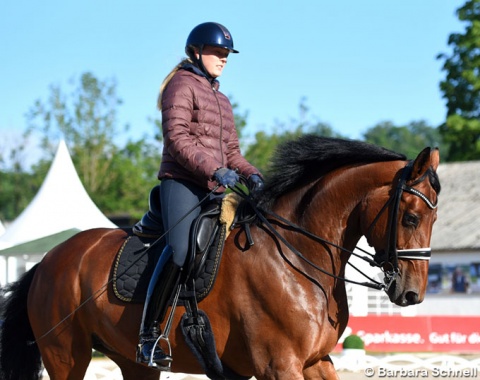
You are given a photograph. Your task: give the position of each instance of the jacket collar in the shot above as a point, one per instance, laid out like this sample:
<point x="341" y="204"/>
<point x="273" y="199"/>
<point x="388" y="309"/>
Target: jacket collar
<point x="194" y="69"/>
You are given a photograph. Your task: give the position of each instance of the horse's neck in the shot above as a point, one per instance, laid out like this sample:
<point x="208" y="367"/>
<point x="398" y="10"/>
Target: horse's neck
<point x="329" y="207"/>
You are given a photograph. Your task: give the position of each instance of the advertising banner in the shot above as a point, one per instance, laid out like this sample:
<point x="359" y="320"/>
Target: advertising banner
<point x="417" y="334"/>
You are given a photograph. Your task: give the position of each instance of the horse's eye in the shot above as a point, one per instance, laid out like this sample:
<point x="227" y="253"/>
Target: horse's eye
<point x="410" y="220"/>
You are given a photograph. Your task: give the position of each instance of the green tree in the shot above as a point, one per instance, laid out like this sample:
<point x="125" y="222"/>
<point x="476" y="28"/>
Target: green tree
<point x="135" y="167"/>
<point x="408" y="139"/>
<point x="117" y="179"/>
<point x="18" y="184"/>
<point x="260" y="152"/>
<point x="240" y="119"/>
<point x="461" y="87"/>
<point x="86" y="120"/>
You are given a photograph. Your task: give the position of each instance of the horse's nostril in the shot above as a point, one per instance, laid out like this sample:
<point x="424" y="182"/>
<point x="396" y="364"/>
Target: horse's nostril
<point x="411" y="297"/>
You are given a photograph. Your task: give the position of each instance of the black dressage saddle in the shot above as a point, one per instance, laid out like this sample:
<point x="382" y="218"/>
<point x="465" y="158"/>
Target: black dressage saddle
<point x="137" y="257"/>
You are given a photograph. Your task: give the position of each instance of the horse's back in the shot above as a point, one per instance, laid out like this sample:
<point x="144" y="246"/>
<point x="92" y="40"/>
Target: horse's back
<point x="88" y="252"/>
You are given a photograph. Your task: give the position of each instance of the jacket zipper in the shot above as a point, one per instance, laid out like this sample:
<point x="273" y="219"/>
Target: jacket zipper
<point x="221" y="126"/>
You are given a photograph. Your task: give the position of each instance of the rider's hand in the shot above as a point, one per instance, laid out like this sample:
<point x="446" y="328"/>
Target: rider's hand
<point x="256" y="184"/>
<point x="226" y="177"/>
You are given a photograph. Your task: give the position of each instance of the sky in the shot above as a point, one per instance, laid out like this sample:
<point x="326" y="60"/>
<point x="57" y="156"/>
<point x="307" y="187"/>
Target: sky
<point x="356" y="63"/>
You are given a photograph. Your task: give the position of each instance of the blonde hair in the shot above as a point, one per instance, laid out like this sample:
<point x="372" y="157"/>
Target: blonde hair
<point x="168" y="78"/>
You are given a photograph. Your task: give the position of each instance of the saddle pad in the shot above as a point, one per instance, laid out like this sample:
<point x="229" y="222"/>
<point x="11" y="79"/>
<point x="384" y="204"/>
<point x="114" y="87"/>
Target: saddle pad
<point x="136" y="261"/>
<point x="134" y="266"/>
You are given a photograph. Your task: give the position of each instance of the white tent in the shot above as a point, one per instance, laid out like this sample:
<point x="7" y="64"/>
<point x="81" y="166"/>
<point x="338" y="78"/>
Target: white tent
<point x="61" y="203"/>
<point x="2" y="228"/>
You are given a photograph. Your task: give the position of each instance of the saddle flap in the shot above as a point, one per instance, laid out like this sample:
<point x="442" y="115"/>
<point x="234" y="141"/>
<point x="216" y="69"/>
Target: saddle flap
<point x="205" y="227"/>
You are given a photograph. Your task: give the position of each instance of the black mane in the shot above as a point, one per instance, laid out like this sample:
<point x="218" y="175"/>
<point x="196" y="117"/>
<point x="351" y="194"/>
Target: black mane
<point x="310" y="157"/>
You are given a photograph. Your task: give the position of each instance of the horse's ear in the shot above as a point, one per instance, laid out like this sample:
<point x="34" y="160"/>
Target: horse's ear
<point x="435" y="158"/>
<point x="428" y="158"/>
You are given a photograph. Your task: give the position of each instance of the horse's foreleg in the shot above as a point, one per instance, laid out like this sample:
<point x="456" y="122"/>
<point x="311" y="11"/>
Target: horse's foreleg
<point x="278" y="367"/>
<point x="323" y="369"/>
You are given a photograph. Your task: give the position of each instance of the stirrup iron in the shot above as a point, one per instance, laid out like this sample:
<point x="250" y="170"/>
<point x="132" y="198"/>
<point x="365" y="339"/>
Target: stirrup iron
<point x="164" y="335"/>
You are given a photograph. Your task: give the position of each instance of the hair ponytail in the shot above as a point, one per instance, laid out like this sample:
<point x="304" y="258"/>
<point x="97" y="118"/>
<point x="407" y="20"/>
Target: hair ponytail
<point x="168" y="78"/>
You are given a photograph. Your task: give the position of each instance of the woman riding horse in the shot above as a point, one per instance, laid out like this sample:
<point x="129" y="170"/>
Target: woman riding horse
<point x="278" y="308"/>
<point x="200" y="150"/>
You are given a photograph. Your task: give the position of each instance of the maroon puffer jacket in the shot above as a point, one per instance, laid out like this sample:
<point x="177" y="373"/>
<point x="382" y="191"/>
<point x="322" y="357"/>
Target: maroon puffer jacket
<point x="199" y="133"/>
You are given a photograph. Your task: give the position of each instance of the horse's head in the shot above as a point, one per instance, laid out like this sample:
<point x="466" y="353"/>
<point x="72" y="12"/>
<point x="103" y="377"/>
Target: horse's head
<point x="401" y="229"/>
<point x="391" y="202"/>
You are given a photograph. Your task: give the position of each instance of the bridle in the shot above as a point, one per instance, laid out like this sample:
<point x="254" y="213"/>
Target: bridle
<point x="386" y="260"/>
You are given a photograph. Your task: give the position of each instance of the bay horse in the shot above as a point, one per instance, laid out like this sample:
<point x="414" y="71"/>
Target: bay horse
<point x="278" y="309"/>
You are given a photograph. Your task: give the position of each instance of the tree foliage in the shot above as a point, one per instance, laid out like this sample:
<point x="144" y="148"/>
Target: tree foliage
<point x="86" y="120"/>
<point x="260" y="151"/>
<point x="18" y="184"/>
<point x="117" y="179"/>
<point x="409" y="139"/>
<point x="461" y="87"/>
<point x="135" y="167"/>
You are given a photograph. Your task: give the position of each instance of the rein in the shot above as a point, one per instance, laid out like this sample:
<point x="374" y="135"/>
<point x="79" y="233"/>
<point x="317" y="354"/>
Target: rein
<point x="373" y="284"/>
<point x="392" y="254"/>
<point x="259" y="212"/>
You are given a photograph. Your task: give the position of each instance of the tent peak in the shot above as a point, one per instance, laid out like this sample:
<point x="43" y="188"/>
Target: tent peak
<point x="60" y="204"/>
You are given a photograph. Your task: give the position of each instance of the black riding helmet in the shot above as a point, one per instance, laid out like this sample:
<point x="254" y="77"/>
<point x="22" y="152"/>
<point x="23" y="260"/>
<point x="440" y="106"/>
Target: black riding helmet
<point x="208" y="33"/>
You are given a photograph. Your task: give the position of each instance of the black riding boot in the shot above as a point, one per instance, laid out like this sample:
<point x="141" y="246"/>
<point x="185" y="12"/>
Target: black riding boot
<point x="164" y="280"/>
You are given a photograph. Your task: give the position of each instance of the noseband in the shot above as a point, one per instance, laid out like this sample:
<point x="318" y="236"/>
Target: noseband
<point x="388" y="259"/>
